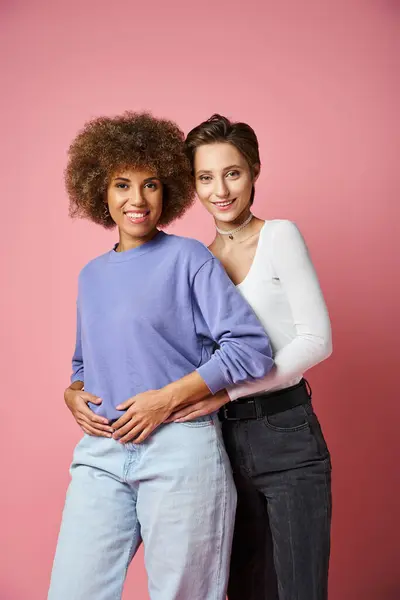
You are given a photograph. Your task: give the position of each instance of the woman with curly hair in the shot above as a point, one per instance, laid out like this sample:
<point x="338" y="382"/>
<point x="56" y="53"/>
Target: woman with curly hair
<point x="159" y="326"/>
<point x="280" y="460"/>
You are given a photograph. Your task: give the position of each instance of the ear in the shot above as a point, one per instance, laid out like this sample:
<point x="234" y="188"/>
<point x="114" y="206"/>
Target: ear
<point x="256" y="171"/>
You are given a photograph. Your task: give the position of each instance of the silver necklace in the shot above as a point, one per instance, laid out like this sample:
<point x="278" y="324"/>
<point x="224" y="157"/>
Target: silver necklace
<point x="242" y="226"/>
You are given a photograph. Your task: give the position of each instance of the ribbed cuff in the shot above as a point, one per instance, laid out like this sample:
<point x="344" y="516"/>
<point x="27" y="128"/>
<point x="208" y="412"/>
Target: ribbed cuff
<point x="213" y="376"/>
<point x="77" y="377"/>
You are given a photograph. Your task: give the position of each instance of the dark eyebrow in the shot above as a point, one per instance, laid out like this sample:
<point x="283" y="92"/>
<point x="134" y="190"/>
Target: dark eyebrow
<point x="128" y="180"/>
<point x="202" y="172"/>
<point x="233" y="167"/>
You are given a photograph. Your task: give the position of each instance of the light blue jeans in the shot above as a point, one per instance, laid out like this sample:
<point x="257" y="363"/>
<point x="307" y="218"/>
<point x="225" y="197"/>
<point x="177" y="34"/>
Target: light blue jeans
<point x="175" y="492"/>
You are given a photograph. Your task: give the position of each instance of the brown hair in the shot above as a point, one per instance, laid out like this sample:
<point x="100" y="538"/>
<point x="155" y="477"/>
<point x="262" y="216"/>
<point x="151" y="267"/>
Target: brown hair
<point x="107" y="145"/>
<point x="220" y="129"/>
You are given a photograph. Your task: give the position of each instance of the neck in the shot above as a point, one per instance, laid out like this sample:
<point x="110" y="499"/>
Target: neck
<point x="127" y="242"/>
<point x="240" y="225"/>
<point x="228" y="226"/>
<point x="249" y="231"/>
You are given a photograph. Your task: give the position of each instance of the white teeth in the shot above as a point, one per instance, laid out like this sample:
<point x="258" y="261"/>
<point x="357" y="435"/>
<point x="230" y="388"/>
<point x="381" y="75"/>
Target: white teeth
<point x="136" y="215"/>
<point x="224" y="203"/>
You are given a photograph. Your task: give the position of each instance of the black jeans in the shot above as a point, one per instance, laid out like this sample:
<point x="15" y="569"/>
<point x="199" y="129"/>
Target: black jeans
<point x="282" y="471"/>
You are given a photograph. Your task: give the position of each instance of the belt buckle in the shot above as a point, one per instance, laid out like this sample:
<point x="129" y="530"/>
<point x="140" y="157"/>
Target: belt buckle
<point x="228" y="418"/>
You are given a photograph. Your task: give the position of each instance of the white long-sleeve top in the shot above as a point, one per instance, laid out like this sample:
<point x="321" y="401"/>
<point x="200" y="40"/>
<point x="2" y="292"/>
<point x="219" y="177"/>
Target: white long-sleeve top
<point x="283" y="289"/>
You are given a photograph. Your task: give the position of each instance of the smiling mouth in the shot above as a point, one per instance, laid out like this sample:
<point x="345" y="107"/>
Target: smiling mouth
<point x="137" y="216"/>
<point x="224" y="204"/>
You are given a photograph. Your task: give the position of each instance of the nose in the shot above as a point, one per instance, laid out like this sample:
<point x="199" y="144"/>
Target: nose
<point x="221" y="189"/>
<point x="136" y="198"/>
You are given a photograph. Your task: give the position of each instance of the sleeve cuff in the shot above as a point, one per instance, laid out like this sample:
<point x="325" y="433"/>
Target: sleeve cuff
<point x="233" y="392"/>
<point x="77" y="377"/>
<point x="213" y="376"/>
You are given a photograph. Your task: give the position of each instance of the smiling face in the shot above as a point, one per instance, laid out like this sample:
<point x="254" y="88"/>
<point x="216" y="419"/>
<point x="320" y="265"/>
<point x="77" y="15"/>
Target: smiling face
<point x="224" y="181"/>
<point x="135" y="203"/>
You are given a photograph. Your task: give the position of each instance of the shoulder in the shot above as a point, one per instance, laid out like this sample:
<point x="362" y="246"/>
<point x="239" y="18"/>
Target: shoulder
<point x="194" y="258"/>
<point x="280" y="227"/>
<point x="286" y="247"/>
<point x="190" y="244"/>
<point x="191" y="250"/>
<point x="93" y="265"/>
<point x="281" y="234"/>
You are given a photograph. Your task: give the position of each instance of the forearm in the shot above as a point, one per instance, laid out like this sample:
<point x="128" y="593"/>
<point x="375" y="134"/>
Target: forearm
<point x="303" y="353"/>
<point x="187" y="391"/>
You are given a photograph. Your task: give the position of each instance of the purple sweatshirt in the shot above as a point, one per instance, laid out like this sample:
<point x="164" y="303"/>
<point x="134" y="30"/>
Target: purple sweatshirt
<point x="150" y="315"/>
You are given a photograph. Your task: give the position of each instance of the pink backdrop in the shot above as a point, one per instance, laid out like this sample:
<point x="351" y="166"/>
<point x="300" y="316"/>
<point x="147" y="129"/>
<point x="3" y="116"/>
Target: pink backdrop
<point x="318" y="82"/>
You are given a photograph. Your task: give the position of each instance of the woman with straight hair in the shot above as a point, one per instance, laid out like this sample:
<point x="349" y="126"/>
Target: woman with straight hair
<point x="280" y="459"/>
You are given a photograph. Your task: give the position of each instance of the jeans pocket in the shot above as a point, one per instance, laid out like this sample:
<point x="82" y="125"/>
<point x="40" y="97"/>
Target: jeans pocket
<point x="316" y="430"/>
<point x="294" y="419"/>
<point x="199" y="422"/>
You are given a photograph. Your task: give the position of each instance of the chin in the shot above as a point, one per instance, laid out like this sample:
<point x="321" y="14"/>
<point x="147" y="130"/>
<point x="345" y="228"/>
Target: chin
<point x="139" y="231"/>
<point x="227" y="217"/>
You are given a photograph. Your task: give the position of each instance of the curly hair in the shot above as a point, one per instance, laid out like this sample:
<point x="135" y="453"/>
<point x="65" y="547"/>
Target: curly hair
<point x="110" y="145"/>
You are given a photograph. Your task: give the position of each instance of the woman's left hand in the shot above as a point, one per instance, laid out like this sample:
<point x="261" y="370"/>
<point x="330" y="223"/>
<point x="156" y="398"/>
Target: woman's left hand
<point x="200" y="408"/>
<point x="144" y="413"/>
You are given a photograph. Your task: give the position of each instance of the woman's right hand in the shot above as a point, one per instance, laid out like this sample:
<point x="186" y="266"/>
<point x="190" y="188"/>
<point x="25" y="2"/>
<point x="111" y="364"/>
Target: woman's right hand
<point x="77" y="402"/>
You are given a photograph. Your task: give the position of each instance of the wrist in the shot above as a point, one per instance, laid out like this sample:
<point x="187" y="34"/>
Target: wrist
<point x="187" y="390"/>
<point x="223" y="395"/>
<point x="75" y="386"/>
<point x="170" y="396"/>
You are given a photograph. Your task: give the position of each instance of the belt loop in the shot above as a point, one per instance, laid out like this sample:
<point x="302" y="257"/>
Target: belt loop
<point x="258" y="407"/>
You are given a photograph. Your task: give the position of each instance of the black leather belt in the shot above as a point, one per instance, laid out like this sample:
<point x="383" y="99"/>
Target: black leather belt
<point x="262" y="405"/>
